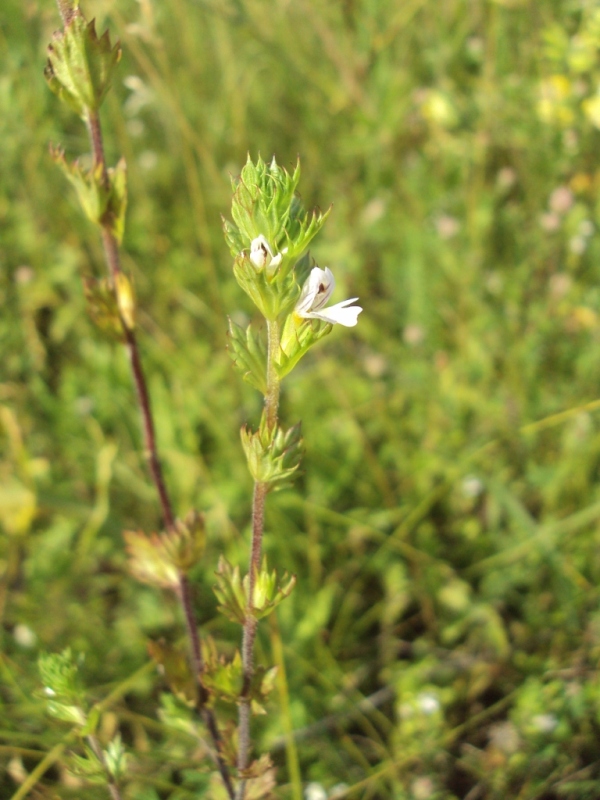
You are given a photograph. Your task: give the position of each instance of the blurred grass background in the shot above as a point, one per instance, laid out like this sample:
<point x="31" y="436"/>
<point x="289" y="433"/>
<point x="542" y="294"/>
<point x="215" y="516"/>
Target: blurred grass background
<point x="443" y="639"/>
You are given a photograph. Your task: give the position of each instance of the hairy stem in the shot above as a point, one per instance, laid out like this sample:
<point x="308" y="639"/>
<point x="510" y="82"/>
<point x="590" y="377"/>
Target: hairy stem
<point x="258" y="524"/>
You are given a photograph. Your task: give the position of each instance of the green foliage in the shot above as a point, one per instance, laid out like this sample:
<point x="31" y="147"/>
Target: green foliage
<point x="102" y="307"/>
<point x="174" y="665"/>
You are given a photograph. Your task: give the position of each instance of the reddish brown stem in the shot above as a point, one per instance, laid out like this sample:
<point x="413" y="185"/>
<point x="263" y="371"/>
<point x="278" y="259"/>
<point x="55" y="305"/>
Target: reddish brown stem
<point x="148" y="428"/>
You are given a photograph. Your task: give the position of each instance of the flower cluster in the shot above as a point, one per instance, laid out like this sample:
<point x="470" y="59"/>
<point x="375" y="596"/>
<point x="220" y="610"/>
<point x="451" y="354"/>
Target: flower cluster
<point x="316" y="291"/>
<point x="268" y="236"/>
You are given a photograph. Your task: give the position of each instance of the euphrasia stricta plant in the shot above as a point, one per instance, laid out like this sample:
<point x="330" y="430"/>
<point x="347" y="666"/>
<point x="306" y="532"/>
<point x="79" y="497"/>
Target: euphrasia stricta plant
<point x="268" y="236"/>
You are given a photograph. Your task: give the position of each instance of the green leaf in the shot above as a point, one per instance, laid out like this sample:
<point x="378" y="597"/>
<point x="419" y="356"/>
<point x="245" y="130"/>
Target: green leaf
<point x="232" y="591"/>
<point x="114" y="215"/>
<point x="87" y="766"/>
<point x="225" y="679"/>
<point x="92" y="191"/>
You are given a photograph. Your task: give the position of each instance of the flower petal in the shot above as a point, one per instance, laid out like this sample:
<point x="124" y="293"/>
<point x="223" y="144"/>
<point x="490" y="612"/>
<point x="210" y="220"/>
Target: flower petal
<point x="260" y="252"/>
<point x="341" y="313"/>
<point x="316" y="291"/>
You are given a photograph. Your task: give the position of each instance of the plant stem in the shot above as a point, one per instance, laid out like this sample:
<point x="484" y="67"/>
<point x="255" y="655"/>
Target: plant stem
<point x="111" y="783"/>
<point x="111" y="251"/>
<point x="258" y="524"/>
<point x="205" y="712"/>
<point x="272" y="395"/>
<point x="148" y="427"/>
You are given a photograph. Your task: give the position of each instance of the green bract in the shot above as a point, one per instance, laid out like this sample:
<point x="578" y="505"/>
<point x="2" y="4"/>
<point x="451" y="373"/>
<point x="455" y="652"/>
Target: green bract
<point x="232" y="591"/>
<point x="103" y="196"/>
<point x="297" y="338"/>
<point x="273" y="455"/>
<point x="249" y="355"/>
<point x="161" y="559"/>
<point x="225" y="679"/>
<point x="80" y="65"/>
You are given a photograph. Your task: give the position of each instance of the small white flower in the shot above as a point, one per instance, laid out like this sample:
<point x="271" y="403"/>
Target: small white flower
<point x="261" y="254"/>
<point x="314" y="791"/>
<point x="428" y="703"/>
<point x="316" y="291"/>
<point x="545" y="723"/>
<point x="24" y="635"/>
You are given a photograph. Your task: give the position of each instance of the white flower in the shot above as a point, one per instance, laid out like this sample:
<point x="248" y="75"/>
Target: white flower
<point x="314" y="791"/>
<point x="261" y="254"/>
<point x="316" y="291"/>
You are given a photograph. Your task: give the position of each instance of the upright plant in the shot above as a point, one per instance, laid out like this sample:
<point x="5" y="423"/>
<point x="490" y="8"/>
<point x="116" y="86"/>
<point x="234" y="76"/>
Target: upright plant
<point x="268" y="236"/>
